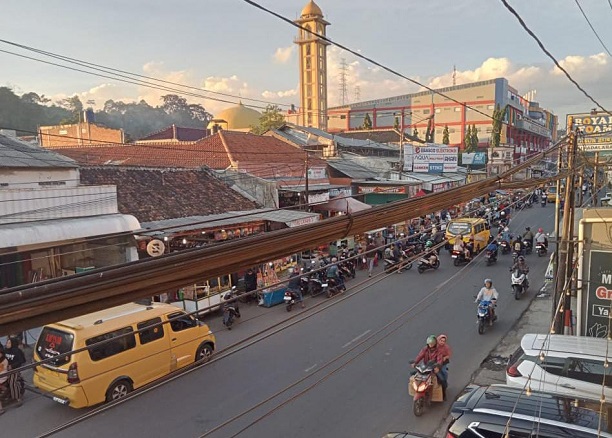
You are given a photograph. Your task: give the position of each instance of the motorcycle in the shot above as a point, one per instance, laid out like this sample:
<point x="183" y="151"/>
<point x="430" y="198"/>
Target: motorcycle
<point x="543" y="201"/>
<point x="505" y="247"/>
<point x="333" y="286"/>
<point x="424" y="388"/>
<point x="527" y="247"/>
<point x="230" y="309"/>
<point x="290" y="298"/>
<point x="425" y="264"/>
<point x="459" y="258"/>
<point x="541" y="249"/>
<point x="398" y="265"/>
<point x="347" y="267"/>
<point x="490" y="257"/>
<point x="484" y="315"/>
<point x="519" y="283"/>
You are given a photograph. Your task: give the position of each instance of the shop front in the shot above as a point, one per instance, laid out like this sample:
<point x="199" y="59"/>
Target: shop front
<point x="378" y="192"/>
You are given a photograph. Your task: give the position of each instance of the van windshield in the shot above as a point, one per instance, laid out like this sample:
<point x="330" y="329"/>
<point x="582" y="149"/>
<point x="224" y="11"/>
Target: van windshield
<point x="457" y="228"/>
<point x="53" y="342"/>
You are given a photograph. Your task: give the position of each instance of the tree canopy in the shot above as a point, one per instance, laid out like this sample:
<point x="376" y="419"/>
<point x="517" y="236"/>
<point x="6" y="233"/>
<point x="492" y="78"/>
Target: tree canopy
<point x="271" y="118"/>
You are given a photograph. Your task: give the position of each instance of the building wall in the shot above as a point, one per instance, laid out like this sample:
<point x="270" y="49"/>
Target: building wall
<point x="80" y="134"/>
<point x="36" y="178"/>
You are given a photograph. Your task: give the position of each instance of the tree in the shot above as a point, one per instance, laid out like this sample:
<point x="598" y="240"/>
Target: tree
<point x="467" y="140"/>
<point x="173" y="104"/>
<point x="474" y="140"/>
<point x="415" y="132"/>
<point x="75" y="106"/>
<point x="498" y="120"/>
<point x="367" y="122"/>
<point x="396" y="124"/>
<point x="429" y="134"/>
<point x="445" y="135"/>
<point x="271" y="118"/>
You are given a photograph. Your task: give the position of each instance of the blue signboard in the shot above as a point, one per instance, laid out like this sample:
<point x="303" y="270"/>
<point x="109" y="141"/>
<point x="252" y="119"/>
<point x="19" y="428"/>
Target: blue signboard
<point x="436" y="167"/>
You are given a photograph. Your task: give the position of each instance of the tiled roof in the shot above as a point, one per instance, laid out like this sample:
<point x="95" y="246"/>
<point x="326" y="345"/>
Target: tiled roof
<point x="18" y="153"/>
<point x="158" y="194"/>
<point x="178" y="133"/>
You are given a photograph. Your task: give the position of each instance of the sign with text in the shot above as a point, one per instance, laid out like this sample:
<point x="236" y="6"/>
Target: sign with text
<point x="378" y="189"/>
<point x="597" y="130"/>
<point x="431" y="158"/>
<point x="599" y="300"/>
<point x="474" y="158"/>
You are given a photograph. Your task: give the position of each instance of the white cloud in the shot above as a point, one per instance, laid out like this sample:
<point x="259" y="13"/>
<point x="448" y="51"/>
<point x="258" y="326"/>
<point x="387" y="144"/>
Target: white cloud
<point x="283" y="54"/>
<point x="280" y="94"/>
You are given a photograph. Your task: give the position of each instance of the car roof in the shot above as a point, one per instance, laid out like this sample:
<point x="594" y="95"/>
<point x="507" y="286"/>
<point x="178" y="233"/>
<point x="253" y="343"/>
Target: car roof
<point x="469" y="220"/>
<point x="532" y="344"/>
<point x="557" y="410"/>
<point x="114" y="318"/>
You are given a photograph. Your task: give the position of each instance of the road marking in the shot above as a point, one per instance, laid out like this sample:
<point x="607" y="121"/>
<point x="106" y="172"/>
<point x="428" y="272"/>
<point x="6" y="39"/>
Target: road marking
<point x="311" y="368"/>
<point x="441" y="285"/>
<point x="357" y="338"/>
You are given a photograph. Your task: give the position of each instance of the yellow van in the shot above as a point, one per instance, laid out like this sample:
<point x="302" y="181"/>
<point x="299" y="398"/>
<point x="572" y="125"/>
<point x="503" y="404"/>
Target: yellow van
<point x="466" y="227"/>
<point x="123" y="348"/>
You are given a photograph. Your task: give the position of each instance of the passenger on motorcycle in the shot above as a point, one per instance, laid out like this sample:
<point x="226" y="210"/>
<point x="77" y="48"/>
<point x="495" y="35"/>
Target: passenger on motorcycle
<point x="431" y="255"/>
<point x="517" y="245"/>
<point x="445" y="354"/>
<point x="493" y="247"/>
<point x="488" y="293"/>
<point x="4" y="365"/>
<point x="540" y="237"/>
<point x="431" y="353"/>
<point x="332" y="272"/>
<point x="294" y="285"/>
<point x="528" y="236"/>
<point x="521" y="265"/>
<point x="461" y="246"/>
<point x="506" y="234"/>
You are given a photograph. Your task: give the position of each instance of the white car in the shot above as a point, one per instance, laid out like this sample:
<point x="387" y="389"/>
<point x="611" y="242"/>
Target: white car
<point x="559" y="364"/>
<point x="605" y="201"/>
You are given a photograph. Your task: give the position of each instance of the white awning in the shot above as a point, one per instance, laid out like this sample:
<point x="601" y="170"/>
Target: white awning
<point x="59" y="230"/>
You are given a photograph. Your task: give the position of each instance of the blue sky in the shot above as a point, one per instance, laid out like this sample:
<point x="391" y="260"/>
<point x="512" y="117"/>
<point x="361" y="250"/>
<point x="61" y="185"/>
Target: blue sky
<point x="229" y="46"/>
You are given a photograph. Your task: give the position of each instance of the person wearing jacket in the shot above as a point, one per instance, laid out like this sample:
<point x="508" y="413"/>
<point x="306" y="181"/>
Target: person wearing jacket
<point x="16" y="359"/>
<point x="431" y="353"/>
<point x="294" y="285"/>
<point x="488" y="293"/>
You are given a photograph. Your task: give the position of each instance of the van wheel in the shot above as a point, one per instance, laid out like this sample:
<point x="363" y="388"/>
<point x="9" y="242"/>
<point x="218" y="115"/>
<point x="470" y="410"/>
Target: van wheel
<point x="118" y="390"/>
<point x="204" y="353"/>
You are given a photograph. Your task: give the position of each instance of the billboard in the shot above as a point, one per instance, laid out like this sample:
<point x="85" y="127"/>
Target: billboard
<point x="474" y="158"/>
<point x="430" y="158"/>
<point x="599" y="298"/>
<point x="597" y="130"/>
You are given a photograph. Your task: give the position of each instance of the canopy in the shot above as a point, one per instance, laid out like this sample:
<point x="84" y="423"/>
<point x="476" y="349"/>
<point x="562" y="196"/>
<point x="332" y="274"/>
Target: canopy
<point x="420" y="193"/>
<point x="345" y="205"/>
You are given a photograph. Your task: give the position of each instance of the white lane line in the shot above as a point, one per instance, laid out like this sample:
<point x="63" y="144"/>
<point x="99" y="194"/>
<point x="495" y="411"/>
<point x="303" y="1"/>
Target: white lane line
<point x="310" y="369"/>
<point x="356" y="339"/>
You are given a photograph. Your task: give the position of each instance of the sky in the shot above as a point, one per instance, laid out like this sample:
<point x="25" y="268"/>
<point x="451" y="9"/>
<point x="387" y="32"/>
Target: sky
<point x="231" y="47"/>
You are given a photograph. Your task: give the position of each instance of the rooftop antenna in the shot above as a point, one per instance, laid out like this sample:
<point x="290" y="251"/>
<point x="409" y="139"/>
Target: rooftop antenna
<point x="454" y="75"/>
<point x="357" y="93"/>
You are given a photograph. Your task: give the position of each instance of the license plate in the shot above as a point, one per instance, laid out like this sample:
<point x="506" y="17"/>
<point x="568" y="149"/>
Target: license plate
<point x="324" y="285"/>
<point x="60" y="400"/>
<point x="454" y="256"/>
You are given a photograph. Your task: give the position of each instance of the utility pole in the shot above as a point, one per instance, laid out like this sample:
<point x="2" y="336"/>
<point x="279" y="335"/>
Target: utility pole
<point x="565" y="244"/>
<point x="595" y="180"/>
<point x="306" y="187"/>
<point x="401" y="144"/>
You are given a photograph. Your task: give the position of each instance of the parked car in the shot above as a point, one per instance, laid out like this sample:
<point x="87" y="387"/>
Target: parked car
<point x="605" y="200"/>
<point x="499" y="411"/>
<point x="568" y="365"/>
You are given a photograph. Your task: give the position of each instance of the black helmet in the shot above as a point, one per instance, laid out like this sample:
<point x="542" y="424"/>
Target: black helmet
<point x="528" y="228"/>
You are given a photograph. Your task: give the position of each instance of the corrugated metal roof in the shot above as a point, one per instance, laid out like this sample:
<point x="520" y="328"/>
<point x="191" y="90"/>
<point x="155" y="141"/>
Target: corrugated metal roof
<point x="17" y="153"/>
<point x="352" y="169"/>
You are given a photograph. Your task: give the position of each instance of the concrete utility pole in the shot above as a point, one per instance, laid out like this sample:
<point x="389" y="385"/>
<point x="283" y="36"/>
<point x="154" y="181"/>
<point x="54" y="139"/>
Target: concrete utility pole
<point x="565" y="243"/>
<point x="594" y="190"/>
<point x="401" y="144"/>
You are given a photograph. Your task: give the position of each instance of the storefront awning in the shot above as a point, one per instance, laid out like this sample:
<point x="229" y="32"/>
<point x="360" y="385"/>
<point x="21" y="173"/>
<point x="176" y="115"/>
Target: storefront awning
<point x="345" y="205"/>
<point x="37" y="233"/>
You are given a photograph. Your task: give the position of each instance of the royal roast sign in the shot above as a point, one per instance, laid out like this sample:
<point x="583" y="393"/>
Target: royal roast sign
<point x="596" y="130"/>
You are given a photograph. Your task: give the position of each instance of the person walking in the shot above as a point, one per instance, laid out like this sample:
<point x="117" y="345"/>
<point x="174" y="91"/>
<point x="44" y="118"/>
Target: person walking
<point x="16" y="359"/>
<point x="371" y="255"/>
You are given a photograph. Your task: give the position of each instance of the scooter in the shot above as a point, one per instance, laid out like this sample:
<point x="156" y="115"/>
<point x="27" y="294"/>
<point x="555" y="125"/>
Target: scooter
<point x="399" y="266"/>
<point x="490" y="257"/>
<point x="425" y="264"/>
<point x="541" y="249"/>
<point x="290" y="298"/>
<point x="459" y="258"/>
<point x="519" y="283"/>
<point x="484" y="315"/>
<point x="527" y="247"/>
<point x="230" y="310"/>
<point x="334" y="286"/>
<point x="543" y="201"/>
<point x="424" y="388"/>
<point x="505" y="247"/>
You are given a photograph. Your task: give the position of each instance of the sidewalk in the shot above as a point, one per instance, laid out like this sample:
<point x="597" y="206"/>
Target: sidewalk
<point x="492" y="370"/>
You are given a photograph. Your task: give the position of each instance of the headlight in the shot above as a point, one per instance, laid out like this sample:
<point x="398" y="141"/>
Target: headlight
<point x="422" y="387"/>
<point x="415" y="385"/>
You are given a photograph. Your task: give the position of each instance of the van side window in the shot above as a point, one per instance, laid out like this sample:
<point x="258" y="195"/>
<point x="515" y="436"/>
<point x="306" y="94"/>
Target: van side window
<point x="180" y="321"/>
<point x="151" y="334"/>
<point x="553" y="365"/>
<point x="589" y="370"/>
<point x="122" y="340"/>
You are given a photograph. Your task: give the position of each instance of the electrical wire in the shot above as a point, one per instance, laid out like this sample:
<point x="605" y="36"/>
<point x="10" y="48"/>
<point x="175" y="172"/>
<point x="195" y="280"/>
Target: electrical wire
<point x="550" y="55"/>
<point x="592" y="28"/>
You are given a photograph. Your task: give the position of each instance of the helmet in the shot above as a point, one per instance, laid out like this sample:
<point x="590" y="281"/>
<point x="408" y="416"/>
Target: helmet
<point x="540" y="230"/>
<point x="429" y="244"/>
<point x="521" y="259"/>
<point x="334" y="259"/>
<point x="431" y="340"/>
<point x="528" y="228"/>
<point x="488" y="280"/>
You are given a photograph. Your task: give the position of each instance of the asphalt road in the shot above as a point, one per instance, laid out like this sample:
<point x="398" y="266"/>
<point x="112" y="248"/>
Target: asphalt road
<point x="379" y="329"/>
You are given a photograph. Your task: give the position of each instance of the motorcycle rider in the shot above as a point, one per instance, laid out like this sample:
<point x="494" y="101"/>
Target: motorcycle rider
<point x="528" y="236"/>
<point x="431" y="353"/>
<point x="16" y="359"/>
<point x="332" y="272"/>
<point x="521" y="265"/>
<point x="461" y="246"/>
<point x="517" y="245"/>
<point x="431" y="255"/>
<point x="541" y="238"/>
<point x="488" y="293"/>
<point x="493" y="247"/>
<point x="229" y="308"/>
<point x="294" y="285"/>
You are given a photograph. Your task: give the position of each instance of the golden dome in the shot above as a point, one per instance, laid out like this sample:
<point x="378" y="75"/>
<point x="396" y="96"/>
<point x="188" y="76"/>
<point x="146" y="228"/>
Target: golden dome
<point x="312" y="9"/>
<point x="236" y="118"/>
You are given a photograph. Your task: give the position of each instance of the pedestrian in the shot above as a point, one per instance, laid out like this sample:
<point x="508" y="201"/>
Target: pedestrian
<point x="16" y="360"/>
<point x="371" y="256"/>
<point x="4" y="365"/>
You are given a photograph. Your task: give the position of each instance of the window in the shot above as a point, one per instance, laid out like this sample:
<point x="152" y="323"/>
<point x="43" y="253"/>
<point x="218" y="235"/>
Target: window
<point x="588" y="370"/>
<point x="117" y="342"/>
<point x="552" y="365"/>
<point x="457" y="109"/>
<point x="438" y="110"/>
<point x="63" y="132"/>
<point x="490" y="107"/>
<point x="151" y="334"/>
<point x="180" y="321"/>
<point x="425" y="111"/>
<point x="52" y="342"/>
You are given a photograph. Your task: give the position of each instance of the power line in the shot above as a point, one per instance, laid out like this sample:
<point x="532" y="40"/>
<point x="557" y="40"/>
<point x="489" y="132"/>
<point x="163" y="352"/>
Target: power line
<point x="550" y="55"/>
<point x="591" y="26"/>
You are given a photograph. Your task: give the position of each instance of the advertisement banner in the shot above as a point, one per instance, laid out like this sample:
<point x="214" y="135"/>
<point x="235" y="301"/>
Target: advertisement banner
<point x="474" y="158"/>
<point x="597" y="130"/>
<point x="599" y="299"/>
<point x="408" y="158"/>
<point x="435" y="159"/>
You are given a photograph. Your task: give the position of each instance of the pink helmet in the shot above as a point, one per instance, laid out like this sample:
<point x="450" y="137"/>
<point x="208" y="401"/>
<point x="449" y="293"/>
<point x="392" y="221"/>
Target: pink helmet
<point x="540" y="230"/>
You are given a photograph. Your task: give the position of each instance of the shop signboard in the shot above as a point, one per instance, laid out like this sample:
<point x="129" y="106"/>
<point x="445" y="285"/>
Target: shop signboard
<point x="599" y="299"/>
<point x="597" y="130"/>
<point x="316" y="198"/>
<point x="343" y="192"/>
<point x="317" y="173"/>
<point x="381" y="189"/>
<point x="431" y="158"/>
<point x="156" y="248"/>
<point x="303" y="221"/>
<point x="474" y="158"/>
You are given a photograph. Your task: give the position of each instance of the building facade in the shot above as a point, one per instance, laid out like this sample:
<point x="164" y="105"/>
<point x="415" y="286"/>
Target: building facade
<point x="313" y="67"/>
<point x="78" y="134"/>
<point x="527" y="126"/>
